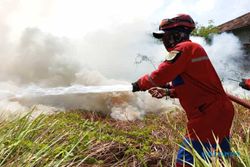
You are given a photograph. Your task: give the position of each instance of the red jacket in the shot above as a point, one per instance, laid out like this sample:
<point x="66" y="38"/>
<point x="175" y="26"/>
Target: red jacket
<point x="248" y="82"/>
<point x="245" y="84"/>
<point x="198" y="87"/>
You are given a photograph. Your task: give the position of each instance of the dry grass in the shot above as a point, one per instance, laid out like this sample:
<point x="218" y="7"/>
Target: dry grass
<point x="81" y="138"/>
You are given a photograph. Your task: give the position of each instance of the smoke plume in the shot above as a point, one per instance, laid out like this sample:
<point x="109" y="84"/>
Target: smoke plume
<point x="229" y="60"/>
<point x="39" y="59"/>
<point x="34" y="57"/>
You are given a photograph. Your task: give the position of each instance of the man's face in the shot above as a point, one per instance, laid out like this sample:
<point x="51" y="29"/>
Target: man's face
<point x="168" y="39"/>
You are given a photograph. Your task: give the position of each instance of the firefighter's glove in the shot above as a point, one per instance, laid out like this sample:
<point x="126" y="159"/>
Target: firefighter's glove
<point x="157" y="92"/>
<point x="135" y="87"/>
<point x="245" y="84"/>
<point x="162" y="92"/>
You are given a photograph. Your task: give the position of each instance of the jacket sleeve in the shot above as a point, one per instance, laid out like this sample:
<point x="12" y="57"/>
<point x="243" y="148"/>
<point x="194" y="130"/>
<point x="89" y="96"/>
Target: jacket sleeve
<point x="166" y="72"/>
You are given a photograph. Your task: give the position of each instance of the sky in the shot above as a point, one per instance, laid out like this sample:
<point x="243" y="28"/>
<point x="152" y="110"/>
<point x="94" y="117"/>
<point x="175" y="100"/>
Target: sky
<point x="75" y="18"/>
<point x="103" y="35"/>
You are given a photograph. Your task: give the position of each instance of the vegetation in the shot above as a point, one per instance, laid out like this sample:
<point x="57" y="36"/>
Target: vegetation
<point x="206" y="31"/>
<point x="81" y="138"/>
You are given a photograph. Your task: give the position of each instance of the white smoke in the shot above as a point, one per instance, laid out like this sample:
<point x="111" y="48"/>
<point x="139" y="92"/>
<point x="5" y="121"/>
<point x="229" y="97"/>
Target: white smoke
<point x="39" y="59"/>
<point x="103" y="56"/>
<point x="229" y="60"/>
<point x="43" y="60"/>
<point x="225" y="53"/>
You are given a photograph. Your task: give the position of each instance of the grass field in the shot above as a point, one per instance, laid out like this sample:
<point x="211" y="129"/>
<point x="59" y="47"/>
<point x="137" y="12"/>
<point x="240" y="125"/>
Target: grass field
<point x="83" y="138"/>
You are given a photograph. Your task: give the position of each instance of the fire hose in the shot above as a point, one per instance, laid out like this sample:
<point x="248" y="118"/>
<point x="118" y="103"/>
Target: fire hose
<point x="239" y="101"/>
<point x="245" y="85"/>
<point x="231" y="97"/>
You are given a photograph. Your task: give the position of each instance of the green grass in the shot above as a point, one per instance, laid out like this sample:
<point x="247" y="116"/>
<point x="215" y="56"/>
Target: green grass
<point x="82" y="138"/>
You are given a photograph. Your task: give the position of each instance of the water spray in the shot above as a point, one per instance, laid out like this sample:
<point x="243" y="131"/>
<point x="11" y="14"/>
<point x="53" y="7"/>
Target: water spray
<point x="35" y="91"/>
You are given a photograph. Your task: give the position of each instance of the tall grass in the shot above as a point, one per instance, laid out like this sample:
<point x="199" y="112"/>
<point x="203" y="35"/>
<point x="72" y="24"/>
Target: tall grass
<point x="81" y="138"/>
<point x="25" y="142"/>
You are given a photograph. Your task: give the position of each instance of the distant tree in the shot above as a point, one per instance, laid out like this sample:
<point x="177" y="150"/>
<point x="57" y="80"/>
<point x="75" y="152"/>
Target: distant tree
<point x="206" y="31"/>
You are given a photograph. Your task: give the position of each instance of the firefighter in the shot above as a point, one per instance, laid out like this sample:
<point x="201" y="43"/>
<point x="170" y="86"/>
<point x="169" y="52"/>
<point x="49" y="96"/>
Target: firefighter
<point x="190" y="76"/>
<point x="245" y="84"/>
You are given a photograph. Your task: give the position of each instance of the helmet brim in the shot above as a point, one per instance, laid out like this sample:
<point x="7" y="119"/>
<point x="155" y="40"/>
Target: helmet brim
<point x="158" y="34"/>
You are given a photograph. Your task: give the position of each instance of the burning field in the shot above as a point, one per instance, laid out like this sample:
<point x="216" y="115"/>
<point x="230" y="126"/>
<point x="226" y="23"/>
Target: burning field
<point x="54" y="77"/>
<point x="47" y="73"/>
<point x="66" y="96"/>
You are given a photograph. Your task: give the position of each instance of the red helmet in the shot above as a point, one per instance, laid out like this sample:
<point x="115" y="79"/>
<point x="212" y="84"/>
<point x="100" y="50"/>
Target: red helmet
<point x="181" y="20"/>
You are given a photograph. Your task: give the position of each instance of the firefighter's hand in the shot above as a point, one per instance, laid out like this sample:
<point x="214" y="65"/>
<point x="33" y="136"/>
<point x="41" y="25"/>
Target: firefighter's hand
<point x="157" y="92"/>
<point x="135" y="87"/>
